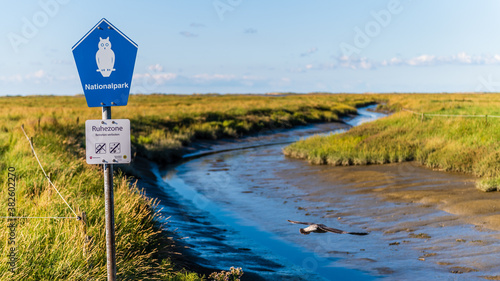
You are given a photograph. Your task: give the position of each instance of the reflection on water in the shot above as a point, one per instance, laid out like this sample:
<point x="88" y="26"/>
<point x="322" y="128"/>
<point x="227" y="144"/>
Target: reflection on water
<point x="234" y="207"/>
<point x="238" y="193"/>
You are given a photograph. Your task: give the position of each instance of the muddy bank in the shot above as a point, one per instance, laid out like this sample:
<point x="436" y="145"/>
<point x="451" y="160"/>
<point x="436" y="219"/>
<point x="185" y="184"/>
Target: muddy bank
<point x="438" y="219"/>
<point x="197" y="240"/>
<point x="173" y="246"/>
<point x="230" y="186"/>
<point x="265" y="138"/>
<point x="230" y="200"/>
<point x="201" y="197"/>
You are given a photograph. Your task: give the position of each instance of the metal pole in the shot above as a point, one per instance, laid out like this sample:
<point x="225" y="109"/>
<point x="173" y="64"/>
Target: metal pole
<point x="109" y="207"/>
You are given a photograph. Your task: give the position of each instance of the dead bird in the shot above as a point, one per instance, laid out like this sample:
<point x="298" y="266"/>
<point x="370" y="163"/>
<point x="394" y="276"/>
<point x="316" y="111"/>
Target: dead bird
<point x="321" y="228"/>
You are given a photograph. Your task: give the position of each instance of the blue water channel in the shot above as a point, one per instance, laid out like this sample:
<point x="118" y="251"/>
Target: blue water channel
<point x="235" y="212"/>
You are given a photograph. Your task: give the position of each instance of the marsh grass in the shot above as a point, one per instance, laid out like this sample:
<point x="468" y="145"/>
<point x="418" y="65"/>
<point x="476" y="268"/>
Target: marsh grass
<point x="458" y="144"/>
<point x="53" y="249"/>
<point x="50" y="249"/>
<point x="162" y="124"/>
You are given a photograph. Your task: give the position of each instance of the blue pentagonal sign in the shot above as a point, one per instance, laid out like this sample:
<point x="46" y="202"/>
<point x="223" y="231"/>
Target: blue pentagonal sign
<point x="105" y="58"/>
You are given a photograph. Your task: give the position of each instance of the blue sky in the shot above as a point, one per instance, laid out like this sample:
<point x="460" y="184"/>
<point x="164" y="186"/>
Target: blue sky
<point x="256" y="46"/>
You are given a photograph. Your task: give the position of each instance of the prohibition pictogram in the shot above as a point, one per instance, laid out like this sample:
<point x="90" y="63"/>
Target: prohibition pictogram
<point x="103" y="147"/>
<point x="100" y="148"/>
<point x="114" y="147"/>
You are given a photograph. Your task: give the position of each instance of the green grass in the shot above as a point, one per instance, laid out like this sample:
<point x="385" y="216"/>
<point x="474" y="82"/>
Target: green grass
<point x="161" y="125"/>
<point x="49" y="249"/>
<point x="468" y="145"/>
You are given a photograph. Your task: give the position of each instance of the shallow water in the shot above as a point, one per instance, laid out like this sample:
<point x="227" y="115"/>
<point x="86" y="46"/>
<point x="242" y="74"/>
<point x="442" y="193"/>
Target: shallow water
<point x="207" y="187"/>
<point x="232" y="206"/>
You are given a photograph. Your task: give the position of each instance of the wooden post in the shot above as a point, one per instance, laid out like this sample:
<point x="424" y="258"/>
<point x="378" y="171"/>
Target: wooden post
<point x="84" y="231"/>
<point x="87" y="240"/>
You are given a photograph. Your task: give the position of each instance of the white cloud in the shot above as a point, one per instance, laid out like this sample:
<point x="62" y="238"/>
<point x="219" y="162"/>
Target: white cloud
<point x="418" y="61"/>
<point x="196" y="24"/>
<point x="35" y="77"/>
<point x="39" y="74"/>
<point x="494" y="59"/>
<point x="352" y="63"/>
<point x="251" y="77"/>
<point x="156" y="67"/>
<point x="421" y="60"/>
<point x="153" y="78"/>
<point x="37" y="81"/>
<point x="393" y="61"/>
<point x="463" y="58"/>
<point x="11" y="78"/>
<point x="151" y="82"/>
<point x="188" y="34"/>
<point x="365" y="64"/>
<point x="431" y="60"/>
<point x="250" y="31"/>
<point x="62" y="61"/>
<point x="309" y="52"/>
<point x="205" y="76"/>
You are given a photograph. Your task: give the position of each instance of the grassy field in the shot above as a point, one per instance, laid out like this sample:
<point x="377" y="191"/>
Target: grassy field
<point x="163" y="124"/>
<point x="48" y="249"/>
<point x="460" y="144"/>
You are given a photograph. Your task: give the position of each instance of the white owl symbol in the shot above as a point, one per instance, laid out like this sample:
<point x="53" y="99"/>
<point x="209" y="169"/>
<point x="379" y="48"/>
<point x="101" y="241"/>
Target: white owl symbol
<point x="105" y="58"/>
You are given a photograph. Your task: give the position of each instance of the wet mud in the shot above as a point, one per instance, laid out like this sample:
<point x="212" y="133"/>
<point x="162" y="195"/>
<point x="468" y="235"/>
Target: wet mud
<point x="437" y="219"/>
<point x="231" y="200"/>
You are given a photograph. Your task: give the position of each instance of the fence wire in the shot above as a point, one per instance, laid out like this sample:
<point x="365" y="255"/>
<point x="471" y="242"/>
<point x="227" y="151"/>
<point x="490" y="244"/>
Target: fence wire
<point x="50" y="182"/>
<point x="450" y="115"/>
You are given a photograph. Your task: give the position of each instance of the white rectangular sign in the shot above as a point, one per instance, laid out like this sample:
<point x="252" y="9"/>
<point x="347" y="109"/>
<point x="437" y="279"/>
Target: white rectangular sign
<point x="108" y="141"/>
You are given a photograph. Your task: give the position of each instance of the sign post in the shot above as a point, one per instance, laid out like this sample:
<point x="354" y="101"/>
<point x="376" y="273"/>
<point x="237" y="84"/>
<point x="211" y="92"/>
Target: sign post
<point x="105" y="58"/>
<point x="109" y="210"/>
